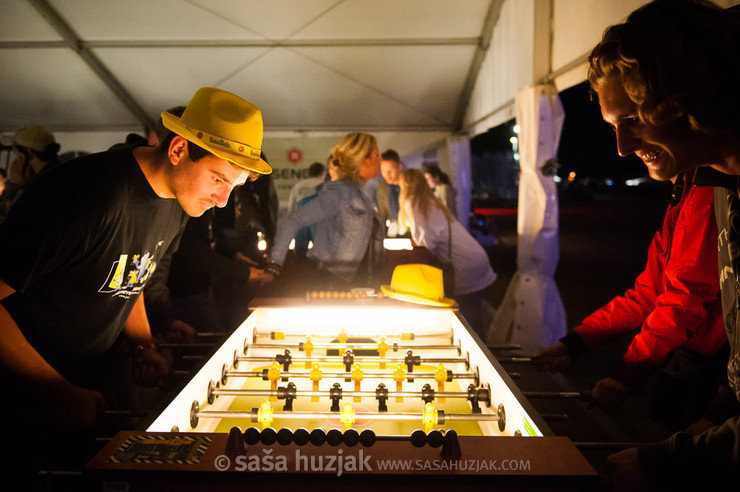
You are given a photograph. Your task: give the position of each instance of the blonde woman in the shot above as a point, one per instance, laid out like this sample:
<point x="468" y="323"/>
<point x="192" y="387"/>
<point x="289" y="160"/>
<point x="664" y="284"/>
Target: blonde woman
<point x="347" y="238"/>
<point x="433" y="226"/>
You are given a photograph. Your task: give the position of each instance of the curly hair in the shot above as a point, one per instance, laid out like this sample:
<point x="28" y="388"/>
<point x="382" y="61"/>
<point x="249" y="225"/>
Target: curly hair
<point x="350" y="152"/>
<point x="676" y="58"/>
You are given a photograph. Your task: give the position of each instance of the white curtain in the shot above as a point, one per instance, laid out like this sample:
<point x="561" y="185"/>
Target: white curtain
<point x="531" y="313"/>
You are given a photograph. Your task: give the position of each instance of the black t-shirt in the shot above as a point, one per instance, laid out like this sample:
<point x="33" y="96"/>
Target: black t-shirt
<point x="78" y="248"/>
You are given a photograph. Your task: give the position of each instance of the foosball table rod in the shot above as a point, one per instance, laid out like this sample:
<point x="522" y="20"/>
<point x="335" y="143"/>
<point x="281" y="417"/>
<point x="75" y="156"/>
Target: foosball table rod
<point x="265" y="415"/>
<point x="393" y="347"/>
<point x="281" y="335"/>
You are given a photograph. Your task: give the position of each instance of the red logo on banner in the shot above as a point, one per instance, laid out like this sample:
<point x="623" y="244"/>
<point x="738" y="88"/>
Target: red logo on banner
<point x="295" y="156"/>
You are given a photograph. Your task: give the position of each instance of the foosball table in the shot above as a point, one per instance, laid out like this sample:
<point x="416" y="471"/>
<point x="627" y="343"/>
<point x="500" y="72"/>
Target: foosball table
<point x="343" y="386"/>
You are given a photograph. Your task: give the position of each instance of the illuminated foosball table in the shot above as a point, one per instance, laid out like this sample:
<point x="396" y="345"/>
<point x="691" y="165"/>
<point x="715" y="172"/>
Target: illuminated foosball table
<point x="351" y="388"/>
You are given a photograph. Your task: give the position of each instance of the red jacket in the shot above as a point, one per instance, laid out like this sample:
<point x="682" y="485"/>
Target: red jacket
<point x="675" y="302"/>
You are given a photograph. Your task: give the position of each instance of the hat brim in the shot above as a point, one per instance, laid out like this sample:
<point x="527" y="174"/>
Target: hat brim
<point x="408" y="297"/>
<point x="173" y="123"/>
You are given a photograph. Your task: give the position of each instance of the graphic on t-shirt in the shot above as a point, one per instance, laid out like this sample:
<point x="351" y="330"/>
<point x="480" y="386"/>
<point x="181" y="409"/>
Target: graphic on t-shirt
<point x="128" y="274"/>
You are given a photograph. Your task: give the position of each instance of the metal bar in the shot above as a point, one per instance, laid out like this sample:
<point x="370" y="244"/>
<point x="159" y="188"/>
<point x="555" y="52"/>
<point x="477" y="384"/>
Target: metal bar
<point x="270" y="334"/>
<point x="555" y="394"/>
<point x="373" y="394"/>
<point x="608" y="445"/>
<point x="230" y="414"/>
<point x="76" y="44"/>
<point x="325" y="375"/>
<point x="172" y="345"/>
<point x="492" y="16"/>
<point x="525" y="360"/>
<point x="350" y="345"/>
<point x="338" y="358"/>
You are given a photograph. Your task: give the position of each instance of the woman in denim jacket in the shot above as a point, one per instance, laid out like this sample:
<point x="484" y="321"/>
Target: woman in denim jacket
<point x="344" y="216"/>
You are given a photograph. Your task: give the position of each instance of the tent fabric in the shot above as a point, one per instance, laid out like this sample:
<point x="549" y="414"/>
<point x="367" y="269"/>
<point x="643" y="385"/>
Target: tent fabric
<point x="532" y="313"/>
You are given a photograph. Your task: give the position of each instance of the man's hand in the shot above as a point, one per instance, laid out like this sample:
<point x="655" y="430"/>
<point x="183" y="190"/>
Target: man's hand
<point x="148" y="367"/>
<point x="609" y="393"/>
<point x="73" y="408"/>
<point x="180" y="332"/>
<point x="553" y="359"/>
<point x="699" y="427"/>
<point x="246" y="259"/>
<point x="19" y="171"/>
<point x="259" y="278"/>
<point x="623" y="468"/>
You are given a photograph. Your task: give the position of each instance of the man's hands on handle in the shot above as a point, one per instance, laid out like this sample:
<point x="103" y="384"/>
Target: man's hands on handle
<point x="148" y="368"/>
<point x="552" y="359"/>
<point x="70" y="408"/>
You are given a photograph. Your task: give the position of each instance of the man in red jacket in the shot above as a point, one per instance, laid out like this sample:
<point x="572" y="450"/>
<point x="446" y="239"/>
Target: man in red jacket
<point x="674" y="303"/>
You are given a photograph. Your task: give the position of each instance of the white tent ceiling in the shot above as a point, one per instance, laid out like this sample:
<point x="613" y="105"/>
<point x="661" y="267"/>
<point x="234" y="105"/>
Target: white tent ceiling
<point x="383" y="65"/>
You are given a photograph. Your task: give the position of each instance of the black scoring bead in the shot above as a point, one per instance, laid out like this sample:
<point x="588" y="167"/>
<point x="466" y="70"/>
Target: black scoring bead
<point x="252" y="435"/>
<point x="367" y="437"/>
<point x="318" y="437"/>
<point x="351" y="437"/>
<point x="418" y="438"/>
<point x="268" y="436"/>
<point x="284" y="436"/>
<point x="435" y="438"/>
<point x="334" y="437"/>
<point x="301" y="436"/>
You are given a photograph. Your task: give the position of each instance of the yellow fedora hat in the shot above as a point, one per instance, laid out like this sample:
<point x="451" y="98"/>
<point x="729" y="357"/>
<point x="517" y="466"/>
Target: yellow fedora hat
<point x="224" y="124"/>
<point x="418" y="283"/>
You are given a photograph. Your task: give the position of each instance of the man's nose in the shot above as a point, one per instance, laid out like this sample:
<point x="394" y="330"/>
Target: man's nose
<point x="627" y="141"/>
<point x="222" y="197"/>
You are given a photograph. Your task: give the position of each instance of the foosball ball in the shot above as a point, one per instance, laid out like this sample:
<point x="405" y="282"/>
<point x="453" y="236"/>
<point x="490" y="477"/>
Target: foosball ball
<point x="349" y="386"/>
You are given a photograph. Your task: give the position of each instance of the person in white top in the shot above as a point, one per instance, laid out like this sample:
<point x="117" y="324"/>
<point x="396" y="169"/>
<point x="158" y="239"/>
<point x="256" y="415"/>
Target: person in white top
<point x="306" y="187"/>
<point x="433" y="226"/>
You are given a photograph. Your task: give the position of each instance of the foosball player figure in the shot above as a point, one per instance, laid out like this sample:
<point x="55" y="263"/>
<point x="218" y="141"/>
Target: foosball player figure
<point x="315" y="377"/>
<point x="399" y="374"/>
<point x="308" y="348"/>
<point x="440" y="375"/>
<point x="273" y="374"/>
<point x="381" y="394"/>
<point x="382" y="350"/>
<point x="347" y="416"/>
<point x="357" y="376"/>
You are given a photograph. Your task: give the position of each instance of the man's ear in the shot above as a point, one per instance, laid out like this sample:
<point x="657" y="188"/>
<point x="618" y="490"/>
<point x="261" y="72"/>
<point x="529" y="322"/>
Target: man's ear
<point x="178" y="150"/>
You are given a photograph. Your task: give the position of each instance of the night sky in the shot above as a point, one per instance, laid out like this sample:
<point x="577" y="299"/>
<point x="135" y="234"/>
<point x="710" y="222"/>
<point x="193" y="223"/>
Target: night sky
<point x="588" y="145"/>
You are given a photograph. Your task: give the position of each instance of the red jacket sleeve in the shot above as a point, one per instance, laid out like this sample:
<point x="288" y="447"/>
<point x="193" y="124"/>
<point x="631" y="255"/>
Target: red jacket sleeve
<point x="675" y="301"/>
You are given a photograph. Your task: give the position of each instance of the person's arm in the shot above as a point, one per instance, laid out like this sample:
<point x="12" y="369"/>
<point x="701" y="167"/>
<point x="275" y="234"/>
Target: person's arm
<point x="321" y="207"/>
<point x="683" y="462"/>
<point x="68" y="406"/>
<point x="688" y="306"/>
<point x="625" y="313"/>
<point x="149" y="368"/>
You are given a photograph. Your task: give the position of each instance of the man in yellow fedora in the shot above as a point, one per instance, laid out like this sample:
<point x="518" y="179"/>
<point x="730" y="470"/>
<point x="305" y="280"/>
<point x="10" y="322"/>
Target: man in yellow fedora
<point x="79" y="245"/>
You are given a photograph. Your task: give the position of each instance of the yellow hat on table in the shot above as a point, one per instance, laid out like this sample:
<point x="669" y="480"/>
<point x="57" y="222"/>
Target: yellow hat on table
<point x="418" y="283"/>
<point x="225" y="125"/>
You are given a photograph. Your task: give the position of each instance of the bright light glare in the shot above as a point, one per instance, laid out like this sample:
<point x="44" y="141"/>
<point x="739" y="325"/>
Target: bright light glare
<point x="397" y="243"/>
<point x="330" y="320"/>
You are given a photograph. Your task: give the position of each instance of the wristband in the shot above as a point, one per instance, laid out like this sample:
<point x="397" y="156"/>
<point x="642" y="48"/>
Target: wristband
<point x="142" y="347"/>
<point x="273" y="268"/>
